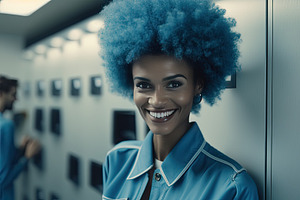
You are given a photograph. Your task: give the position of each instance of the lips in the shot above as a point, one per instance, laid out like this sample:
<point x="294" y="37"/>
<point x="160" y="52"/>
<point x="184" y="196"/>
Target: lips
<point x="161" y="116"/>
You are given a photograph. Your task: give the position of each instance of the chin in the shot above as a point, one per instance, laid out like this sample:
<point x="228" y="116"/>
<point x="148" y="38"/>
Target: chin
<point x="160" y="128"/>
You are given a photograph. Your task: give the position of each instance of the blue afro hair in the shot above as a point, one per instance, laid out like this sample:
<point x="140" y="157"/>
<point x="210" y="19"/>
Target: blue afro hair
<point x="193" y="30"/>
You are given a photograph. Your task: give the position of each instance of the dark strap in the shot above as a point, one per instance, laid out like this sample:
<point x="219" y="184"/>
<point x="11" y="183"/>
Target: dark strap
<point x="147" y="191"/>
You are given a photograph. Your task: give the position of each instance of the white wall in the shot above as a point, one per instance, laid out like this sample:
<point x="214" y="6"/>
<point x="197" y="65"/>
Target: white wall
<point x="10" y="54"/>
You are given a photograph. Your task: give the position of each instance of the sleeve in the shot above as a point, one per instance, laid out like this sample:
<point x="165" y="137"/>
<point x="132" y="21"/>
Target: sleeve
<point x="105" y="173"/>
<point x="10" y="168"/>
<point x="245" y="187"/>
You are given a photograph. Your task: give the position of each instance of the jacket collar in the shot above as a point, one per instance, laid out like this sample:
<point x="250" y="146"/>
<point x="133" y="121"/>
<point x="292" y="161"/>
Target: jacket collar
<point x="178" y="160"/>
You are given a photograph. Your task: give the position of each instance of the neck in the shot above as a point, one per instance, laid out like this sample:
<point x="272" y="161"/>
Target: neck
<point x="163" y="144"/>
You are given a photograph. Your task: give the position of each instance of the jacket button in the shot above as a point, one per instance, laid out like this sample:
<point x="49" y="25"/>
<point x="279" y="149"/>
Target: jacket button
<point x="157" y="177"/>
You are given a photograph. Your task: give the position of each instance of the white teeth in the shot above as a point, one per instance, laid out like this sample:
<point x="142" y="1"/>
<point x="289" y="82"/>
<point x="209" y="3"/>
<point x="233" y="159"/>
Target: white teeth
<point x="159" y="115"/>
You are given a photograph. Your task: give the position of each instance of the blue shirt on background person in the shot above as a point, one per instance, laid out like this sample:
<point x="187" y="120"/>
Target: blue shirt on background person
<point x="192" y="170"/>
<point x="11" y="160"/>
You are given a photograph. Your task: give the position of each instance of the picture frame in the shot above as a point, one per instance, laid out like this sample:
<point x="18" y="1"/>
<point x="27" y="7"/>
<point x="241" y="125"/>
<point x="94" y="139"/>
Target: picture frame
<point x="38" y="160"/>
<point x="96" y="85"/>
<point x="75" y="86"/>
<point x="231" y="81"/>
<point x="124" y="126"/>
<point x="40" y="88"/>
<point x="96" y="176"/>
<point x="39" y="123"/>
<point x="54" y="196"/>
<point x="40" y="194"/>
<point x="55" y="121"/>
<point x="26" y="88"/>
<point x="56" y="87"/>
<point x="74" y="169"/>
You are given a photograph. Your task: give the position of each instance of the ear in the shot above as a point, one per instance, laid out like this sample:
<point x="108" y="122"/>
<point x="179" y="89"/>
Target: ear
<point x="199" y="87"/>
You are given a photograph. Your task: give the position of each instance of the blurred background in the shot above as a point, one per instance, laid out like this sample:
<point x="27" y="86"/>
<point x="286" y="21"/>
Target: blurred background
<point x="64" y="99"/>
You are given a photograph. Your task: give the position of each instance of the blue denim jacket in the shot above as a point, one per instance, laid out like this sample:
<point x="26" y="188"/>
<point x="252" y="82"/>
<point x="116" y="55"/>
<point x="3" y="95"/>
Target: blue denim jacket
<point x="192" y="170"/>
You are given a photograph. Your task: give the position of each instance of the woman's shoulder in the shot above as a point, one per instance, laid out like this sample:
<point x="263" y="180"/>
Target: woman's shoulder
<point x="221" y="160"/>
<point x="121" y="158"/>
<point x="230" y="171"/>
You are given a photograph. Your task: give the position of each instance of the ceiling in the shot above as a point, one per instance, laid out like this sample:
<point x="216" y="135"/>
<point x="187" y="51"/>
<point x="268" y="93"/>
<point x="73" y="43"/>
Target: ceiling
<point x="51" y="18"/>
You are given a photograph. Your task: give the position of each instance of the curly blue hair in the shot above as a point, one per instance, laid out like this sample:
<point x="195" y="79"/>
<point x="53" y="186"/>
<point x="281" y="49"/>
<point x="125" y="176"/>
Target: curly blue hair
<point x="194" y="30"/>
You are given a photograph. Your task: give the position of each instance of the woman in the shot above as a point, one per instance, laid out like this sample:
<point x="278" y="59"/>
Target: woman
<point x="167" y="55"/>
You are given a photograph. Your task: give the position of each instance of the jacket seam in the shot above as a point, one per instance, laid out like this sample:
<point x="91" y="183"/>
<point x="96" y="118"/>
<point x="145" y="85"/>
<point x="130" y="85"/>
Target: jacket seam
<point x="123" y="147"/>
<point x="224" y="162"/>
<point x="107" y="198"/>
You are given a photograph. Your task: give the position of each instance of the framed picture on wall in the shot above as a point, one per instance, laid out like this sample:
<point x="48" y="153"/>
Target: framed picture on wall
<point x="26" y="89"/>
<point x="96" y="176"/>
<point x="56" y="87"/>
<point x="231" y="81"/>
<point x="96" y="85"/>
<point x="38" y="160"/>
<point x="75" y="86"/>
<point x="55" y="121"/>
<point x="124" y="127"/>
<point x="40" y="88"/>
<point x="74" y="169"/>
<point x="39" y="120"/>
<point x="54" y="196"/>
<point x="40" y="194"/>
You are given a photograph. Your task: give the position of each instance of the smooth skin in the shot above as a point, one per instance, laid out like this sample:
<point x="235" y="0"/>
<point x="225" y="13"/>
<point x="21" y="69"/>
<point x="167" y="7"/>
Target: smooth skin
<point x="164" y="89"/>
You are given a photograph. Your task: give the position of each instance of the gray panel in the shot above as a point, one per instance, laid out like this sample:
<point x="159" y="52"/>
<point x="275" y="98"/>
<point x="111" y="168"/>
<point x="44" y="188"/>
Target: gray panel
<point x="286" y="99"/>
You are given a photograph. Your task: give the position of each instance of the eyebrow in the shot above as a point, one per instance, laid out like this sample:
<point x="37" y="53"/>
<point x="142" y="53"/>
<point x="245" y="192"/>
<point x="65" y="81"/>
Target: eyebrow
<point x="174" y="76"/>
<point x="141" y="78"/>
<point x="164" y="79"/>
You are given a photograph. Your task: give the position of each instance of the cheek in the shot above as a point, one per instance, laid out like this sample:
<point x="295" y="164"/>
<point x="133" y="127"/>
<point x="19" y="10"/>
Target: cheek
<point x="139" y="99"/>
<point x="184" y="99"/>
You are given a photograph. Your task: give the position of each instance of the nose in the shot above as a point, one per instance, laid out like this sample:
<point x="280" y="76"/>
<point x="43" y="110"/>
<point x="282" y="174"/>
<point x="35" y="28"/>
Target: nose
<point x="158" y="99"/>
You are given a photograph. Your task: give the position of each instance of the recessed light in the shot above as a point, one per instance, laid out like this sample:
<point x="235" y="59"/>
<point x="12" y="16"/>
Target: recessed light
<point x="75" y="34"/>
<point x="56" y="42"/>
<point x="94" y="25"/>
<point x="40" y="49"/>
<point x="28" y="55"/>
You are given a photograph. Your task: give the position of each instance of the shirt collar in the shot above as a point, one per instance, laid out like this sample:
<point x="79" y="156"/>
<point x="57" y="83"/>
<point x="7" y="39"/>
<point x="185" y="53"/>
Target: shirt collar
<point x="178" y="160"/>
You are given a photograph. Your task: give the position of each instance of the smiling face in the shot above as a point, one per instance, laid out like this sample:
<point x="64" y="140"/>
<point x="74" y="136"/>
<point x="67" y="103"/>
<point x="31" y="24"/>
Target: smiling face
<point x="164" y="89"/>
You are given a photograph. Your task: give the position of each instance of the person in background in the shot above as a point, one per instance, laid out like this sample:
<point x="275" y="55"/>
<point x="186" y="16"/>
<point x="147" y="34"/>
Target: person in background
<point x="12" y="160"/>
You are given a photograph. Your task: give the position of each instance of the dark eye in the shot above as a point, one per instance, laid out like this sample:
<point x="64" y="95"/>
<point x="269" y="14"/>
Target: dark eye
<point x="174" y="84"/>
<point x="143" y="85"/>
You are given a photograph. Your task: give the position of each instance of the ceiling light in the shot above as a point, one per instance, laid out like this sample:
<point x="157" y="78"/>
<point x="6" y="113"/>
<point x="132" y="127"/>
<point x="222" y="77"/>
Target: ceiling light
<point x="28" y="55"/>
<point x="56" y="42"/>
<point x="95" y="26"/>
<point x="21" y="7"/>
<point x="40" y="49"/>
<point x="75" y="34"/>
